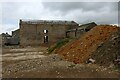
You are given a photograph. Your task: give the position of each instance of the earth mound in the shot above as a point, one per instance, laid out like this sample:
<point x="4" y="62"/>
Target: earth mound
<point x="80" y="50"/>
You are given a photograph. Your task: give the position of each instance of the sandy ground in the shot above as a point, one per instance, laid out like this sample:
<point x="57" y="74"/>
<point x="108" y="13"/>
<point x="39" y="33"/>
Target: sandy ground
<point x="36" y="63"/>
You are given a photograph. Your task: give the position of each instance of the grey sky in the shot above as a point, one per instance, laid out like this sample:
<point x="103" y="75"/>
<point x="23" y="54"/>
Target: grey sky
<point x="81" y="12"/>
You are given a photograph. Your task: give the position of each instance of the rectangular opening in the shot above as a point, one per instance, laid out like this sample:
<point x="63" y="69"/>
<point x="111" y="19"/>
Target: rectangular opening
<point x="45" y="31"/>
<point x="45" y="39"/>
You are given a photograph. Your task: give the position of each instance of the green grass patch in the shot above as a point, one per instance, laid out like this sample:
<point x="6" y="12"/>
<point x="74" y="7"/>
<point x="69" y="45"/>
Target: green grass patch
<point x="59" y="44"/>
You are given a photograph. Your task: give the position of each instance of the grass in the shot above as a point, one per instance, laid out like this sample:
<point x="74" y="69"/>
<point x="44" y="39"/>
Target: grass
<point x="59" y="44"/>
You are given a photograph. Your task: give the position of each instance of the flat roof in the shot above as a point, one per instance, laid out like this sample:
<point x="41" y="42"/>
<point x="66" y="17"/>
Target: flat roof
<point x="47" y="22"/>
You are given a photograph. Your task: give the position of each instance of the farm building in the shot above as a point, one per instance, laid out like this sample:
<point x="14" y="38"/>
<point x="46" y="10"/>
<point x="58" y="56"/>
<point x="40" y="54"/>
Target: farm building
<point x="16" y="33"/>
<point x="72" y="33"/>
<point x="5" y="38"/>
<point x="8" y="39"/>
<point x="45" y="32"/>
<point x="38" y="32"/>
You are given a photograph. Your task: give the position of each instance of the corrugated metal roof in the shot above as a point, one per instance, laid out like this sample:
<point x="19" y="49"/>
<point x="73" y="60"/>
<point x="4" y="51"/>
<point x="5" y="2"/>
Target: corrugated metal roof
<point x="47" y="22"/>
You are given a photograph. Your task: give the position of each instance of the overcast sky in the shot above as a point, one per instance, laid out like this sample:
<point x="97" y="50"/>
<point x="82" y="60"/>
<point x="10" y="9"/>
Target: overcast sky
<point x="81" y="12"/>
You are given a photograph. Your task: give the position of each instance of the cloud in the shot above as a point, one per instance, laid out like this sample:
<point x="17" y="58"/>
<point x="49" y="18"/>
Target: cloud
<point x="100" y="12"/>
<point x="85" y="6"/>
<point x="81" y="12"/>
<point x="20" y="10"/>
<point x="20" y="0"/>
<point x="26" y="11"/>
<point x="8" y="28"/>
<point x="59" y="0"/>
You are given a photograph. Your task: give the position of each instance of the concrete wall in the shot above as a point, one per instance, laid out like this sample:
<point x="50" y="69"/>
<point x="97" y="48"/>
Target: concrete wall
<point x="78" y="32"/>
<point x="15" y="40"/>
<point x="32" y="34"/>
<point x="71" y="34"/>
<point x="16" y="33"/>
<point x="1" y="40"/>
<point x="75" y="33"/>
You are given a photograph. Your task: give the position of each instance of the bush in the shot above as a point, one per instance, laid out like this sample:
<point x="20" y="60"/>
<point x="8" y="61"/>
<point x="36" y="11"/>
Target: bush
<point x="61" y="42"/>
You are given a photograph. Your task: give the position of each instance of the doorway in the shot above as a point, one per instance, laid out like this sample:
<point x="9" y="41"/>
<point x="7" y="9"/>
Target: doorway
<point x="45" y="39"/>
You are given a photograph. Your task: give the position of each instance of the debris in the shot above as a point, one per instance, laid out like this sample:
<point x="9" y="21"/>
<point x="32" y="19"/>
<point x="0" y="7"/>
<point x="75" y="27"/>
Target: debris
<point x="90" y="61"/>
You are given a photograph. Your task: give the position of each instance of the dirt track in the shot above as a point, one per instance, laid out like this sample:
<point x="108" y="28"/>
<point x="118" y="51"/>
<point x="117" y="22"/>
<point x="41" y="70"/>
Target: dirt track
<point x="34" y="63"/>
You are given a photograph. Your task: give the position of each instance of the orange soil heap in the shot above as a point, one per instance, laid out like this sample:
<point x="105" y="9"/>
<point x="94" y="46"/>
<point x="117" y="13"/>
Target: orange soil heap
<point x="80" y="50"/>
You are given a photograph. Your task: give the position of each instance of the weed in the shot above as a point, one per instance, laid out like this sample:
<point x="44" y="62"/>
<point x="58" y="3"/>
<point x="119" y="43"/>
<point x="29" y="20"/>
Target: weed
<point x="59" y="44"/>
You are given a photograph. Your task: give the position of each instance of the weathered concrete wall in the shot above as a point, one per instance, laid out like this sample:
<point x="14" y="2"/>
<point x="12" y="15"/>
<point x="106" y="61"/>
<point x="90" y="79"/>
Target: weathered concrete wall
<point x="55" y="32"/>
<point x="71" y="34"/>
<point x="27" y="34"/>
<point x="78" y="32"/>
<point x="1" y="40"/>
<point x="5" y="40"/>
<point x="16" y="33"/>
<point x="15" y="40"/>
<point x="75" y="33"/>
<point x="32" y="34"/>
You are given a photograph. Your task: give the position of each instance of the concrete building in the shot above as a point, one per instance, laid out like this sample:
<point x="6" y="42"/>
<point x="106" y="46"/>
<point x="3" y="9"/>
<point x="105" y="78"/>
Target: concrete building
<point x="8" y="39"/>
<point x="0" y="40"/>
<point x="16" y="33"/>
<point x="5" y="38"/>
<point x="72" y="33"/>
<point x="40" y="32"/>
<point x="15" y="37"/>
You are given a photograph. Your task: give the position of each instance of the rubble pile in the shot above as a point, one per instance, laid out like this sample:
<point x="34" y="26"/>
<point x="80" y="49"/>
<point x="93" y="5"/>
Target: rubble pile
<point x="80" y="50"/>
<point x="109" y="52"/>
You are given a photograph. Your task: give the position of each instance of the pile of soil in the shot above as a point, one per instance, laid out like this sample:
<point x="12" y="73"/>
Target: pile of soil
<point x="78" y="51"/>
<point x="109" y="52"/>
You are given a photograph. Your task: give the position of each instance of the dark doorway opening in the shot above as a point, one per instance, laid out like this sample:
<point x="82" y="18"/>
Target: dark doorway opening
<point x="45" y="39"/>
